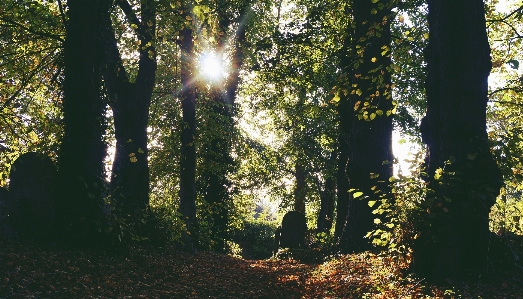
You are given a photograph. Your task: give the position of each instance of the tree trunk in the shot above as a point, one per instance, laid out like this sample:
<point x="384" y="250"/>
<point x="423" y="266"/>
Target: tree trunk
<point x="328" y="198"/>
<point x="454" y="240"/>
<point x="82" y="152"/>
<point x="187" y="136"/>
<point x="299" y="190"/>
<point x="218" y="156"/>
<point x="130" y="104"/>
<point x="369" y="135"/>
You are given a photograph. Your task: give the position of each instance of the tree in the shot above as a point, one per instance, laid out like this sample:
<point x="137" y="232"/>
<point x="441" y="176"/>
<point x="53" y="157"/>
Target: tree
<point x="187" y="137"/>
<point x="82" y="152"/>
<point x="461" y="172"/>
<point x="296" y="69"/>
<point x="327" y="198"/>
<point x="129" y="101"/>
<point x="365" y="109"/>
<point x="217" y="149"/>
<point x="31" y="38"/>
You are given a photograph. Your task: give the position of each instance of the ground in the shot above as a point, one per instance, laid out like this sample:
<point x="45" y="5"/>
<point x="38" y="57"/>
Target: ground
<point x="30" y="271"/>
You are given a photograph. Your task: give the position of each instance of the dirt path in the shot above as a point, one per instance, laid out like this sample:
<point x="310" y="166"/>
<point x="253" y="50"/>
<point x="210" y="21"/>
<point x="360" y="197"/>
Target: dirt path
<point x="28" y="271"/>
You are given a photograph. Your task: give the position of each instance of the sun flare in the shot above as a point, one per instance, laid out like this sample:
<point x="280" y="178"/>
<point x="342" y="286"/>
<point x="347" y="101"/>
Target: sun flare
<point x="211" y="67"/>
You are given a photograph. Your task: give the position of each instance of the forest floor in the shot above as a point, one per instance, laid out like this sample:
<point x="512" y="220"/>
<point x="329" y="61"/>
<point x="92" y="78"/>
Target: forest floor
<point x="30" y="271"/>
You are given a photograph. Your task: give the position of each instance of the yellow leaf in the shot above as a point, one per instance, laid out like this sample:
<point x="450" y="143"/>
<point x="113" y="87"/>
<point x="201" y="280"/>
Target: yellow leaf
<point x="358" y="92"/>
<point x="372" y="116"/>
<point x="373" y="59"/>
<point x="401" y="19"/>
<point x="357" y="105"/>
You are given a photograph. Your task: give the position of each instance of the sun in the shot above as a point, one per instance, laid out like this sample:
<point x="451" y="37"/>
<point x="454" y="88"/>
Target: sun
<point x="211" y="66"/>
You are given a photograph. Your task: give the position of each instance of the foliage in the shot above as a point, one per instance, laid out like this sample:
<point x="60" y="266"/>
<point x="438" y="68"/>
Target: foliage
<point x="31" y="36"/>
<point x="506" y="215"/>
<point x="255" y="238"/>
<point x="397" y="231"/>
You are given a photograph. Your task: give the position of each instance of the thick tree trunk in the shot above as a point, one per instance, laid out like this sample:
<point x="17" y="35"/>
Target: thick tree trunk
<point x="455" y="239"/>
<point x="187" y="136"/>
<point x="369" y="135"/>
<point x="342" y="190"/>
<point x="82" y="152"/>
<point x="130" y="172"/>
<point x="130" y="104"/>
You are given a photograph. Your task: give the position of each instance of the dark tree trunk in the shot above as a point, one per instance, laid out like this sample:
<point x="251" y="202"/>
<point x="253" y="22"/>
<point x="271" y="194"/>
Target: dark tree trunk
<point x="82" y="152"/>
<point x="455" y="239"/>
<point x="327" y="198"/>
<point x="299" y="190"/>
<point x="369" y="135"/>
<point x="218" y="156"/>
<point x="342" y="190"/>
<point x="130" y="104"/>
<point x="187" y="136"/>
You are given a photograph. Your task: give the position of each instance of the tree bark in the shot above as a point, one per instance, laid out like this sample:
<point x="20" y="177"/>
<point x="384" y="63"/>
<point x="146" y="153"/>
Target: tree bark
<point x="130" y="103"/>
<point x="368" y="133"/>
<point x="82" y="152"/>
<point x="187" y="137"/>
<point x="462" y="173"/>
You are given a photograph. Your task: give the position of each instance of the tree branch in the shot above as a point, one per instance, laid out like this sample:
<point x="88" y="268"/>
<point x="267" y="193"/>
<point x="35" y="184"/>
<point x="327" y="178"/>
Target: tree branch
<point x="35" y="32"/>
<point x="130" y="14"/>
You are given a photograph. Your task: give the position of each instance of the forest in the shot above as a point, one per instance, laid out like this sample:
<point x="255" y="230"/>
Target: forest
<point x="261" y="149"/>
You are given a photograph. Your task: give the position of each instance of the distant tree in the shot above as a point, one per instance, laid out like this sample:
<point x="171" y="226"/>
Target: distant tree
<point x="365" y="109"/>
<point x="327" y="199"/>
<point x="32" y="38"/>
<point x="461" y="172"/>
<point x="82" y="152"/>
